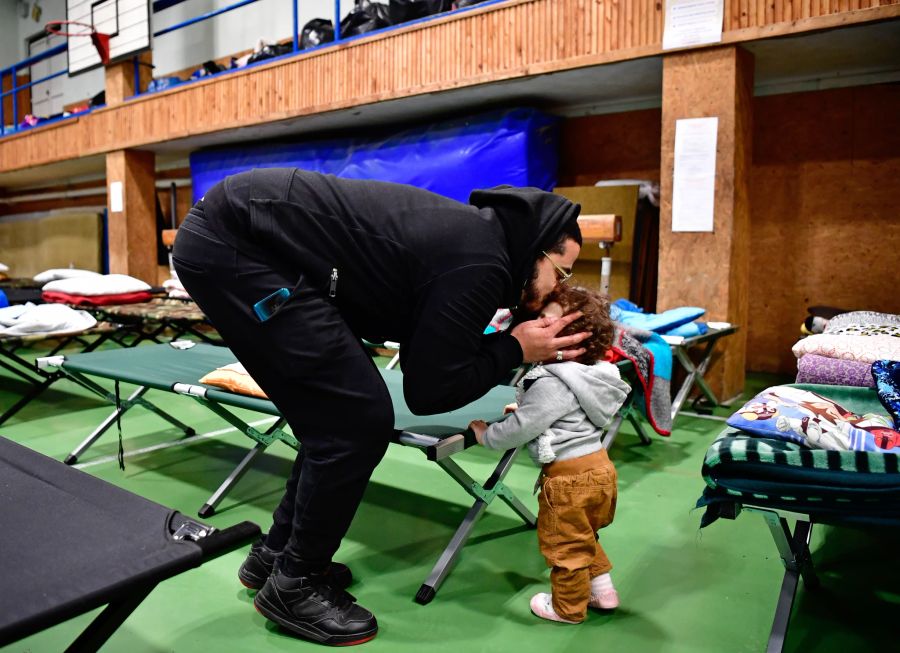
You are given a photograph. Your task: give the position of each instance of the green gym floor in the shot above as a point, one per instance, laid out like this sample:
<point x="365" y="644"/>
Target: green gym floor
<point x="681" y="589"/>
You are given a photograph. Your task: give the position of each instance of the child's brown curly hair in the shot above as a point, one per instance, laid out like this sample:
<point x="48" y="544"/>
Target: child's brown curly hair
<point x="595" y="318"/>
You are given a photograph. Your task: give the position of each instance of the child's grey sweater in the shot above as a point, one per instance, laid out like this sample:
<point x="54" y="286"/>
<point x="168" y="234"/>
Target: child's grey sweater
<point x="563" y="409"/>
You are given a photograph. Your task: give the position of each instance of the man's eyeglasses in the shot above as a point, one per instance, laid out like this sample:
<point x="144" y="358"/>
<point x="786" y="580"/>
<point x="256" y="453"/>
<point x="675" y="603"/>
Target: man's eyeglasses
<point x="563" y="275"/>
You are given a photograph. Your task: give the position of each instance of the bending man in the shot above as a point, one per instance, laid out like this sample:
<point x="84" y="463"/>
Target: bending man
<point x="369" y="260"/>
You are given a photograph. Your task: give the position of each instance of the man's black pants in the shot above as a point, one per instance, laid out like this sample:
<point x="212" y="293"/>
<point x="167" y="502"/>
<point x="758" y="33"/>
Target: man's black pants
<point x="315" y="371"/>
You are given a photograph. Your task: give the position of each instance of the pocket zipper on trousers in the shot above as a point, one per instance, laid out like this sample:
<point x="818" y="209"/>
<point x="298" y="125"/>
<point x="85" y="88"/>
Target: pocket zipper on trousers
<point x="332" y="289"/>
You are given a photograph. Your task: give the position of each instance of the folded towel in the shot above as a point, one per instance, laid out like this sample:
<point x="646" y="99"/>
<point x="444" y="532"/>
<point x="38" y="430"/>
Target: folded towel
<point x="865" y="349"/>
<point x="620" y="311"/>
<point x="860" y="317"/>
<point x="813" y="368"/>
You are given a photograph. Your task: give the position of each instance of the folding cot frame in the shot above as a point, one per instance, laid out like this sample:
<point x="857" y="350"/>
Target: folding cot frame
<point x="160" y="544"/>
<point x="695" y="372"/>
<point x="40" y="379"/>
<point x="810" y="487"/>
<point x="438" y="443"/>
<point x="793" y="548"/>
<point x="694" y="375"/>
<point x="627" y="411"/>
<point x="152" y="320"/>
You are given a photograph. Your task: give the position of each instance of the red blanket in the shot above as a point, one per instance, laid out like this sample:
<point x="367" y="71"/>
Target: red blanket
<point x="96" y="300"/>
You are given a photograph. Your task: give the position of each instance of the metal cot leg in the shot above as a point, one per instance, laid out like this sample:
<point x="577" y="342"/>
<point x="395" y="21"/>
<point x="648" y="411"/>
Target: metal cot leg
<point x="209" y="508"/>
<point x="694" y="375"/>
<point x="72" y="458"/>
<point x="484" y="495"/>
<point x="794" y="552"/>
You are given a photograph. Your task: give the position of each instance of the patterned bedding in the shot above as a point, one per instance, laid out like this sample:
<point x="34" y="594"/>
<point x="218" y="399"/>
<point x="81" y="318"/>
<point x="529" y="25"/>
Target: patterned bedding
<point x="832" y="486"/>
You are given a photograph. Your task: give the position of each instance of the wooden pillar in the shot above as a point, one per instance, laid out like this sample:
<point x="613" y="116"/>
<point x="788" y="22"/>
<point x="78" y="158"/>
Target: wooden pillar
<point x="120" y="80"/>
<point x="132" y="213"/>
<point x="711" y="269"/>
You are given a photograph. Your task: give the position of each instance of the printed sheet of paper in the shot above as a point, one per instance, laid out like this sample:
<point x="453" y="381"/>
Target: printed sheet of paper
<point x="694" y="178"/>
<point x="116" y="203"/>
<point x="692" y="22"/>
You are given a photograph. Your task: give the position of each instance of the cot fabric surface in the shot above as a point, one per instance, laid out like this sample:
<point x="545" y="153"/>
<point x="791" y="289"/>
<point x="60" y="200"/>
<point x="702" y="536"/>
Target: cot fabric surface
<point x="72" y="542"/>
<point x="38" y="379"/>
<point x="162" y="366"/>
<point x="150" y="319"/>
<point x="439" y="437"/>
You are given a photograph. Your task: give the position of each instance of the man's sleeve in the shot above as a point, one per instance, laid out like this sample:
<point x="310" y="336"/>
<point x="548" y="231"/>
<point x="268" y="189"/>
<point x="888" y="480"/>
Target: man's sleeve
<point x="449" y="362"/>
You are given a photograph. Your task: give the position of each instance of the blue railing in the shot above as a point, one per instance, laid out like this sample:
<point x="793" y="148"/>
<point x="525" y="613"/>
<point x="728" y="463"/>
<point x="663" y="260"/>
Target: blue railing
<point x="161" y="5"/>
<point x="13" y="72"/>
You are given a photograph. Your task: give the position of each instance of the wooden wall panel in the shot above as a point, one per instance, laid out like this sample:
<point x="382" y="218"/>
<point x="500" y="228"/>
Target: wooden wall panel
<point x="34" y="244"/>
<point x="510" y="40"/>
<point x="617" y="200"/>
<point x="821" y="219"/>
<point x="610" y="146"/>
<point x="825" y="226"/>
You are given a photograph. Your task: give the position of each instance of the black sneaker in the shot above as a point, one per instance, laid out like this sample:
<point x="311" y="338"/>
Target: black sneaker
<point x="257" y="568"/>
<point x="312" y="608"/>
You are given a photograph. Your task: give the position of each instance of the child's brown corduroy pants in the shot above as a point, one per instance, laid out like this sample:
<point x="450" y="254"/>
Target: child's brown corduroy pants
<point x="578" y="497"/>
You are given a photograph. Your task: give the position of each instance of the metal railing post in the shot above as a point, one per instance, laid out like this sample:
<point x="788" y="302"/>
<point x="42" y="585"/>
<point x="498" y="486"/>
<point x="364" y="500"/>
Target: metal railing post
<point x="2" y="103"/>
<point x="337" y="20"/>
<point x="15" y="97"/>
<point x="296" y="39"/>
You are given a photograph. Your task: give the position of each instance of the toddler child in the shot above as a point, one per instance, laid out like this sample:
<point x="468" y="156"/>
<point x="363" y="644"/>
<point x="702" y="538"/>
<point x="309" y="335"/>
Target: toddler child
<point x="563" y="409"/>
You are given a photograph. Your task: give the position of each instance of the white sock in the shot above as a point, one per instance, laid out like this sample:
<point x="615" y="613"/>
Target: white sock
<point x="601" y="583"/>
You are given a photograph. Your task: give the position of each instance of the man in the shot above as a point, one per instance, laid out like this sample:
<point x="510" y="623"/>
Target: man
<point x="368" y="260"/>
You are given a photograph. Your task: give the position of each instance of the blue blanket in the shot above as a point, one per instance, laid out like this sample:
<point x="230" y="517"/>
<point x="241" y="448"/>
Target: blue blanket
<point x="675" y="321"/>
<point x="652" y="359"/>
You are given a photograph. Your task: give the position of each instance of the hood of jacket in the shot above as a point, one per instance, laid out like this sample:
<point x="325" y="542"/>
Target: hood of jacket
<point x="532" y="220"/>
<point x="599" y="388"/>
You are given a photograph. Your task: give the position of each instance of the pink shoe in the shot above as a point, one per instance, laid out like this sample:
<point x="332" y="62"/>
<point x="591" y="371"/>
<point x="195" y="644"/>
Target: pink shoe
<point x="542" y="606"/>
<point x="605" y="600"/>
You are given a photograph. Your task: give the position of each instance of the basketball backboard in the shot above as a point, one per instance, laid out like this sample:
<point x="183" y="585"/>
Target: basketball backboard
<point x="126" y="21"/>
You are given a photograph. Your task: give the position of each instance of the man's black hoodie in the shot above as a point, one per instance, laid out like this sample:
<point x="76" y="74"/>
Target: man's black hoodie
<point x="411" y="266"/>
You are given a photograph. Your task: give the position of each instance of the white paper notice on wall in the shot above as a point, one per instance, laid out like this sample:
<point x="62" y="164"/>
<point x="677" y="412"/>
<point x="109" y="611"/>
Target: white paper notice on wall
<point x="692" y="22"/>
<point x="116" y="205"/>
<point x="694" y="175"/>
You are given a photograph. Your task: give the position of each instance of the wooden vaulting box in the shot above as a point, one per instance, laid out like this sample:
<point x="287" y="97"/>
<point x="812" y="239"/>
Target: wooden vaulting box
<point x="33" y="243"/>
<point x="615" y="200"/>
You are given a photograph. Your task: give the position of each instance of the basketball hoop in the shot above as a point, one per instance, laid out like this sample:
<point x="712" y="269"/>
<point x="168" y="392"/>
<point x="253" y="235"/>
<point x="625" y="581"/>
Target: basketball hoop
<point x="100" y="40"/>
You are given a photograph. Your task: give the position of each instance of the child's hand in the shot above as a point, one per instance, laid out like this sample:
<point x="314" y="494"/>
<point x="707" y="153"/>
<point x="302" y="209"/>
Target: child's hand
<point x="510" y="408"/>
<point x="478" y="427"/>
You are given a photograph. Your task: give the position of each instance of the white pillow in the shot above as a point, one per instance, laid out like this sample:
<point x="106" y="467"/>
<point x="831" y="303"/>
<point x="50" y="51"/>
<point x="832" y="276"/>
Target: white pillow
<point x="63" y="273"/>
<point x="4" y="268"/>
<point x="49" y="319"/>
<point x="101" y="284"/>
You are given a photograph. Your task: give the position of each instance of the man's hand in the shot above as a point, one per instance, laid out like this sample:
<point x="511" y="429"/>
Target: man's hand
<point x="510" y="408"/>
<point x="478" y="427"/>
<point x="539" y="342"/>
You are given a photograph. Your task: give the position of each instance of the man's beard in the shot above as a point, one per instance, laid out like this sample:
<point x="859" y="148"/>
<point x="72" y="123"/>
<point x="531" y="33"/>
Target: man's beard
<point x="530" y="306"/>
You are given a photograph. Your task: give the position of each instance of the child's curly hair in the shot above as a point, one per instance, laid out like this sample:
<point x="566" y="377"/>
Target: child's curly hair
<point x="595" y="318"/>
